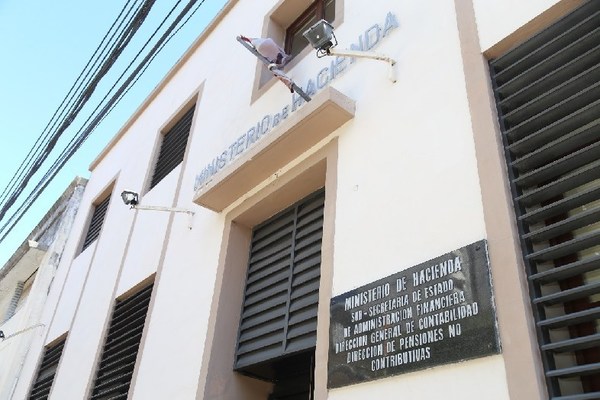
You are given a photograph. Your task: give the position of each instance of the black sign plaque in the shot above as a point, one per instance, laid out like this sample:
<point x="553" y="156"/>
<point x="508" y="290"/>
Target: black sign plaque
<point x="438" y="312"/>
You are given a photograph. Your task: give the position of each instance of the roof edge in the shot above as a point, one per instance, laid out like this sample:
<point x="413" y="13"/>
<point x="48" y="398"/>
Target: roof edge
<point x="188" y="53"/>
<point x="50" y="215"/>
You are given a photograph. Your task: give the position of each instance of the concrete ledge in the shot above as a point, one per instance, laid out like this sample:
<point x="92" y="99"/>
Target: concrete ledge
<point x="327" y="111"/>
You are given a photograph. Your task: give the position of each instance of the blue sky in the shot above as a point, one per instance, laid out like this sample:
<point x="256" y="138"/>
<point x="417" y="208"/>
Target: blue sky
<point x="44" y="45"/>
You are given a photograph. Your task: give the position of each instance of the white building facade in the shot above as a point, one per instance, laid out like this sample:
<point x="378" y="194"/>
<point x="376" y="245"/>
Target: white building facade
<point x="283" y="207"/>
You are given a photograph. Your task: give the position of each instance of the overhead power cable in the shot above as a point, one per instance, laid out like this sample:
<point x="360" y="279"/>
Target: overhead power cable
<point x="82" y="99"/>
<point x="172" y="34"/>
<point x="67" y="101"/>
<point x="93" y="120"/>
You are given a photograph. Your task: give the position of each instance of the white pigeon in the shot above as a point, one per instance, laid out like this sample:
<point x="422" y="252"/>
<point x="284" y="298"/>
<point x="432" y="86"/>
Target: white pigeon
<point x="268" y="49"/>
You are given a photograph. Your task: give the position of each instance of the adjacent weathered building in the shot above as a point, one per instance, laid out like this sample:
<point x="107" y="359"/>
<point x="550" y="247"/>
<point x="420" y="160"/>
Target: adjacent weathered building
<point x="30" y="282"/>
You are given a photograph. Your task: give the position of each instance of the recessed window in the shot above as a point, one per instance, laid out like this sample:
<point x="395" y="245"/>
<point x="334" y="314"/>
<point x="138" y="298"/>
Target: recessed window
<point x="121" y="345"/>
<point x="285" y="24"/>
<point x="96" y="222"/>
<point x="172" y="148"/>
<point x="294" y="40"/>
<point x="548" y="101"/>
<point x="26" y="290"/>
<point x="46" y="371"/>
<point x="277" y="334"/>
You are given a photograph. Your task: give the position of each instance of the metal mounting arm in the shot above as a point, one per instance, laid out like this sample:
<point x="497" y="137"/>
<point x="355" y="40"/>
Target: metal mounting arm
<point x="169" y="209"/>
<point x="366" y="54"/>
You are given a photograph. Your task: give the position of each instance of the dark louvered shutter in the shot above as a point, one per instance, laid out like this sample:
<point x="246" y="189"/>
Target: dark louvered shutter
<point x="121" y="347"/>
<point x="279" y="313"/>
<point x="172" y="148"/>
<point x="96" y="222"/>
<point x="548" y="98"/>
<point x="47" y="370"/>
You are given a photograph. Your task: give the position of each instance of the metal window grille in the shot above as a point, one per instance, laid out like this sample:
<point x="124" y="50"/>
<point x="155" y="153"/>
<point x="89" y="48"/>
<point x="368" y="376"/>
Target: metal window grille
<point x="14" y="301"/>
<point x="548" y="99"/>
<point x="279" y="311"/>
<point x="172" y="148"/>
<point x="46" y="371"/>
<point x="120" y="350"/>
<point x="96" y="222"/>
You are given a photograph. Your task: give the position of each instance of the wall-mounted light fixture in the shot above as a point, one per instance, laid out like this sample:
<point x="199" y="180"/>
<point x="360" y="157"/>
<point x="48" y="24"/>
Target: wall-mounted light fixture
<point x="321" y="37"/>
<point x="132" y="199"/>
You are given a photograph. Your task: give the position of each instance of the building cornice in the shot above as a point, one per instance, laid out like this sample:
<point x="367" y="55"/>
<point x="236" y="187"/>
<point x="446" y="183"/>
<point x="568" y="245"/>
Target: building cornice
<point x="172" y="72"/>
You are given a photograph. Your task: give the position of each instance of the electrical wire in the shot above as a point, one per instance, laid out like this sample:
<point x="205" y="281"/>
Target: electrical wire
<point x="82" y="99"/>
<point x="40" y="138"/>
<point x="124" y="37"/>
<point x="153" y="57"/>
<point x="89" y="126"/>
<point x="66" y="102"/>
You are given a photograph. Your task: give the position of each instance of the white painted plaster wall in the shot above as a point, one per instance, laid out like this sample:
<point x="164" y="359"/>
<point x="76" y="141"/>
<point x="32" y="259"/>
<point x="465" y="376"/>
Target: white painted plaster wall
<point x="407" y="188"/>
<point x="9" y="349"/>
<point x="148" y="235"/>
<point x="96" y="301"/>
<point x="61" y="321"/>
<point x="106" y="254"/>
<point x="466" y="380"/>
<point x="177" y="328"/>
<point x="496" y="19"/>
